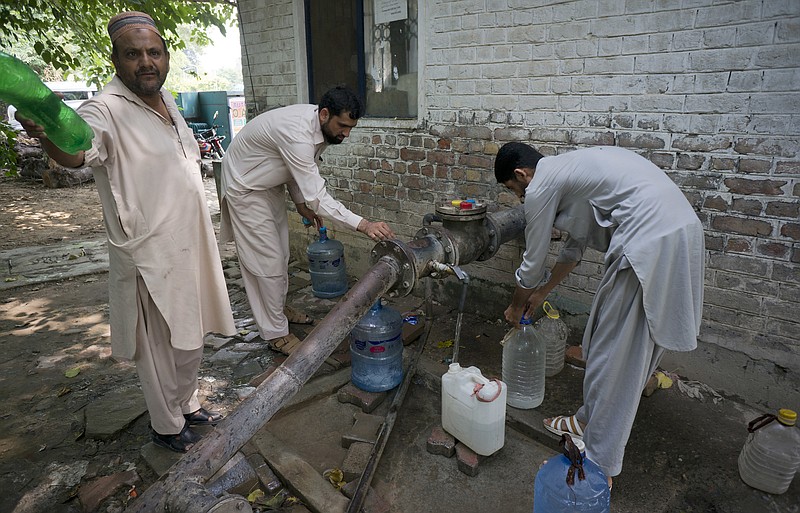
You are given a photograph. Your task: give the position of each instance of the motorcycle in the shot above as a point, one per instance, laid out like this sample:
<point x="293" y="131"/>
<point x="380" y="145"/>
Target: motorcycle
<point x="210" y="143"/>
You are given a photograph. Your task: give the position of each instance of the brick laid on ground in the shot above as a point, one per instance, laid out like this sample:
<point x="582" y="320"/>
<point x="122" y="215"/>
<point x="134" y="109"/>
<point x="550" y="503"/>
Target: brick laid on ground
<point x="468" y="460"/>
<point x="367" y="401"/>
<point x="441" y="442"/>
<point x="356" y="460"/>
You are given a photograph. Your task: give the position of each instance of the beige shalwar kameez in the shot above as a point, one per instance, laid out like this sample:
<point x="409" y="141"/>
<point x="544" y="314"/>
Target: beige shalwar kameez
<point x="651" y="295"/>
<point x="165" y="277"/>
<point x="279" y="149"/>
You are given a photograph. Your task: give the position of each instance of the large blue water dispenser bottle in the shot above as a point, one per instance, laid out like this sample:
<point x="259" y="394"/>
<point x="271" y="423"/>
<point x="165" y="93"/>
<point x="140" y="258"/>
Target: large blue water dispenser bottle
<point x="376" y="349"/>
<point x="570" y="482"/>
<point x="326" y="266"/>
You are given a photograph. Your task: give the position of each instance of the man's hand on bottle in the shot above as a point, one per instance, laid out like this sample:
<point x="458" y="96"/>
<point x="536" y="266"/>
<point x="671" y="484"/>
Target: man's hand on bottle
<point x="37" y="132"/>
<point x="30" y="127"/>
<point x="376" y="231"/>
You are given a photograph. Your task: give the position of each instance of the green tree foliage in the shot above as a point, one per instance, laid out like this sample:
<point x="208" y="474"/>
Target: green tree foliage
<point x="60" y="39"/>
<point x="70" y="35"/>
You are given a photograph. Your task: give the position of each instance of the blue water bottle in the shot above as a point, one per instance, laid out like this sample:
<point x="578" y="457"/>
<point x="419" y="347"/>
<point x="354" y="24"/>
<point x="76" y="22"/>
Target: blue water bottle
<point x="326" y="266"/>
<point x="570" y="483"/>
<point x="376" y="350"/>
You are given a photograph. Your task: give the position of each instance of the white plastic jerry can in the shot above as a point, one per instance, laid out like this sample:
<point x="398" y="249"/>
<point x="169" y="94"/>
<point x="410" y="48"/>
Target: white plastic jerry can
<point x="474" y="409"/>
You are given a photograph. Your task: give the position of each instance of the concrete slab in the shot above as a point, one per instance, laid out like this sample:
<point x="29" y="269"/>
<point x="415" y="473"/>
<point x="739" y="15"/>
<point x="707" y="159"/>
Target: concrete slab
<point x="299" y="476"/>
<point x="159" y="459"/>
<point x="226" y="356"/>
<point x="412" y="479"/>
<point x="365" y="429"/>
<point x="40" y="264"/>
<point x="314" y="431"/>
<point x="108" y="415"/>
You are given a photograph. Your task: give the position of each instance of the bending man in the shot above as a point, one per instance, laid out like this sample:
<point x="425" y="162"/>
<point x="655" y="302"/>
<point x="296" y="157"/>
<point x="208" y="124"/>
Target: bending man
<point x="650" y="298"/>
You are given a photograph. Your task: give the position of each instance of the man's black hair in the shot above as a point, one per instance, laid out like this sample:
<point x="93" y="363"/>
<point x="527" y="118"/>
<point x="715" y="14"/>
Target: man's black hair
<point x="514" y="155"/>
<point x="342" y="99"/>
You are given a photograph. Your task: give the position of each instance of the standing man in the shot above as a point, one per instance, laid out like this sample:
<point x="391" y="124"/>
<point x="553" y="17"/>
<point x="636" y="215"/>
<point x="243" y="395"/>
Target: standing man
<point x="281" y="149"/>
<point x="650" y="298"/>
<point x="166" y="288"/>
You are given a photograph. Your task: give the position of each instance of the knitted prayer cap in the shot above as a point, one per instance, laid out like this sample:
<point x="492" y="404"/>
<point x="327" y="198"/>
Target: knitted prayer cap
<point x="127" y="21"/>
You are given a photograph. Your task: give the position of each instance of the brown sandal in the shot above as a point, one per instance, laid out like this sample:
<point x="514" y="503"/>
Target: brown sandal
<point x="296" y="316"/>
<point x="285" y="344"/>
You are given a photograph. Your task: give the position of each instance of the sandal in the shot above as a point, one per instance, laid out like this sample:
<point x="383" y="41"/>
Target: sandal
<point x="564" y="424"/>
<point x="285" y="344"/>
<point x="181" y="442"/>
<point x="203" y="417"/>
<point x="296" y="316"/>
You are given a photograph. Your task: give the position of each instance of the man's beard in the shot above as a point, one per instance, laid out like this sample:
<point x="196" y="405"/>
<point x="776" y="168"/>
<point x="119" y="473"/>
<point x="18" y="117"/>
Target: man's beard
<point x="329" y="137"/>
<point x="139" y="86"/>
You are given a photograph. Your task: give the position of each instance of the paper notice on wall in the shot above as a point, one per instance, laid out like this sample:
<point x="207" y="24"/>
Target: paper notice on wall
<point x="387" y="11"/>
<point x="238" y="113"/>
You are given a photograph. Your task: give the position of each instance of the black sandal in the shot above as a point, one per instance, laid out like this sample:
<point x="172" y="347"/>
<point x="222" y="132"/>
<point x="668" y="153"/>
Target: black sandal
<point x="203" y="417"/>
<point x="181" y="442"/>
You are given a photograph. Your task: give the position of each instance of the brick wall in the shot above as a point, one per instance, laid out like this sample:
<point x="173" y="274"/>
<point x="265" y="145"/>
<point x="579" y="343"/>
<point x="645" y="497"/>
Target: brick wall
<point x="707" y="90"/>
<point x="268" y="40"/>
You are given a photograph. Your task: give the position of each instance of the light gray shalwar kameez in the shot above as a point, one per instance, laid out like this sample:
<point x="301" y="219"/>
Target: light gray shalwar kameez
<point x="279" y="149"/>
<point x="166" y="287"/>
<point x="651" y="295"/>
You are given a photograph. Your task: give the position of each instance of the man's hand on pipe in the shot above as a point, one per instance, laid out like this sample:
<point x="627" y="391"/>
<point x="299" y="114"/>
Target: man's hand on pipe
<point x="376" y="231"/>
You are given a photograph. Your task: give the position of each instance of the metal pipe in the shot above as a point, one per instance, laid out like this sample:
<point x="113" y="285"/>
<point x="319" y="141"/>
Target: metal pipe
<point x="397" y="268"/>
<point x="503" y="226"/>
<point x="219" y="446"/>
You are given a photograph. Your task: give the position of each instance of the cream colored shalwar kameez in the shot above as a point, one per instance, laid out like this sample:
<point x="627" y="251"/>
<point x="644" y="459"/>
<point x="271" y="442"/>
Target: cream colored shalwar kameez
<point x="279" y="149"/>
<point x="165" y="277"/>
<point x="651" y="296"/>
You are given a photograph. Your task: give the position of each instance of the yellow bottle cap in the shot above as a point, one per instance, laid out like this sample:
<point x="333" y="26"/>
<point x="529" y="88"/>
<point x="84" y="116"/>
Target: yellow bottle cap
<point x="456" y="203"/>
<point x="787" y="417"/>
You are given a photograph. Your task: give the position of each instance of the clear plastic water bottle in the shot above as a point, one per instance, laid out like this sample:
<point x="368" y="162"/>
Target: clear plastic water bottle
<point x="558" y="487"/>
<point x="771" y="455"/>
<point x="523" y="367"/>
<point x="326" y="266"/>
<point x="376" y="349"/>
<point x="23" y="89"/>
<point x="554" y="331"/>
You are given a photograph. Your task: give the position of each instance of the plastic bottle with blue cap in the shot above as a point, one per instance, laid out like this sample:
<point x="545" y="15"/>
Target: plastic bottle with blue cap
<point x="326" y="266"/>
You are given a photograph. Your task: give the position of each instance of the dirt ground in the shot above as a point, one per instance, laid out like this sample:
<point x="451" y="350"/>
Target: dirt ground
<point x="33" y="215"/>
<point x="46" y="331"/>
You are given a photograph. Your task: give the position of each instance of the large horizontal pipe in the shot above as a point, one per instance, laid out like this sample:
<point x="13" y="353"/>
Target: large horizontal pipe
<point x="397" y="268"/>
<point x="219" y="446"/>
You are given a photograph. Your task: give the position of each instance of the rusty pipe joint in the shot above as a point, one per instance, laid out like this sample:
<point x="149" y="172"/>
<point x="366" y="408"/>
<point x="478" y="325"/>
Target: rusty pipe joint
<point x="410" y="258"/>
<point x="451" y="237"/>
